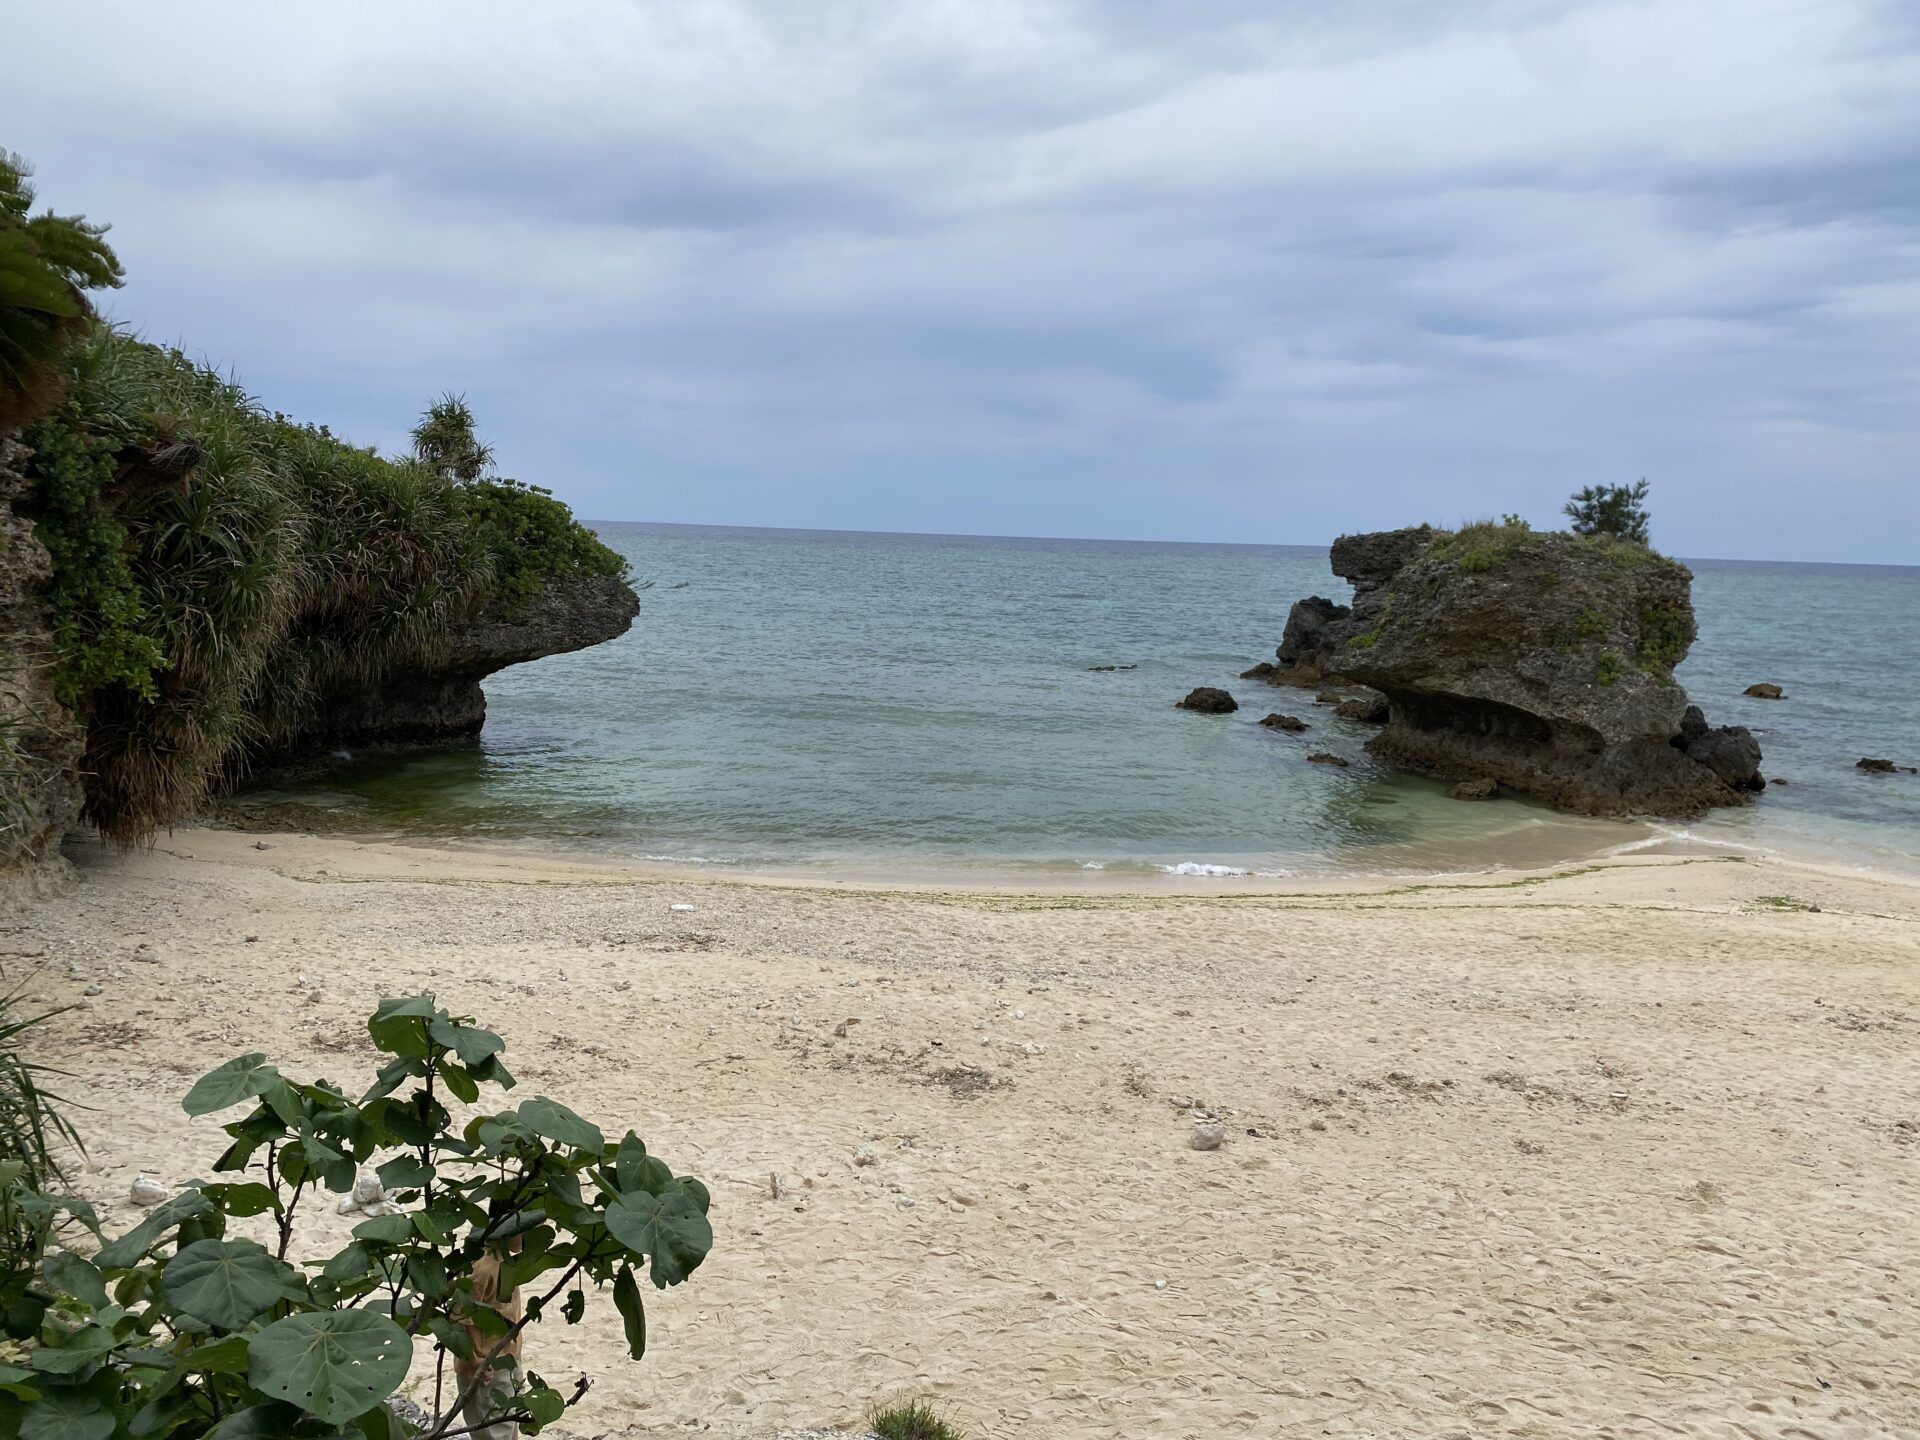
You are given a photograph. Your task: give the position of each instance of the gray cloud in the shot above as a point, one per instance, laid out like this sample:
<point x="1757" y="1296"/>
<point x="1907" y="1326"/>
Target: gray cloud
<point x="1222" y="270"/>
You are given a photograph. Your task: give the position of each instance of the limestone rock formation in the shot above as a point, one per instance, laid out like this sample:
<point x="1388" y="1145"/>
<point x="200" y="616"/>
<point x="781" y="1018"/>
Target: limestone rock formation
<point x="40" y="742"/>
<point x="444" y="702"/>
<point x="1368" y="709"/>
<point x="1764" y="691"/>
<point x="1291" y="723"/>
<point x="1209" y="700"/>
<point x="1540" y="661"/>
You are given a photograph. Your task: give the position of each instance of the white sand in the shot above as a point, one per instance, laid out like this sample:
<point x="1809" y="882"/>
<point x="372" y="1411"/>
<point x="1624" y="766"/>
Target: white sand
<point x="1617" y="1153"/>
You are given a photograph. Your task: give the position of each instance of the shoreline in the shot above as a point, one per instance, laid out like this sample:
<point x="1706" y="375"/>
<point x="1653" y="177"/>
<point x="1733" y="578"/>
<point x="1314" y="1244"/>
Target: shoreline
<point x="1504" y="1155"/>
<point x="520" y="861"/>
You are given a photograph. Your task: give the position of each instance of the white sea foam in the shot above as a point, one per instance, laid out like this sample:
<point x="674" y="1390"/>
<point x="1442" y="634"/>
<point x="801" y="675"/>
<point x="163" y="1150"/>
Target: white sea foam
<point x="1195" y="867"/>
<point x="1094" y="865"/>
<point x="683" y="859"/>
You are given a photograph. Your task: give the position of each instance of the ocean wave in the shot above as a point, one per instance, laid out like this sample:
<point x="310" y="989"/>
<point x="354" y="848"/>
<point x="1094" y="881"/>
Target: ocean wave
<point x="684" y="859"/>
<point x="1195" y="867"/>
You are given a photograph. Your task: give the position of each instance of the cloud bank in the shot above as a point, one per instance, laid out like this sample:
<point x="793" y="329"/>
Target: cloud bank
<point x="1218" y="270"/>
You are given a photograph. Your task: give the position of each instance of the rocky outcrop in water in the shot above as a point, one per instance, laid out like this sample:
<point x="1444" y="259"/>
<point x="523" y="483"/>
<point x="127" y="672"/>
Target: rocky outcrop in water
<point x="39" y="740"/>
<point x="443" y="702"/>
<point x="1209" y="700"/>
<point x="1542" y="662"/>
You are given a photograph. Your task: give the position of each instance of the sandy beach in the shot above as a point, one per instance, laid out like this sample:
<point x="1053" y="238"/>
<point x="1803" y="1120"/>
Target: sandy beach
<point x="1623" y="1149"/>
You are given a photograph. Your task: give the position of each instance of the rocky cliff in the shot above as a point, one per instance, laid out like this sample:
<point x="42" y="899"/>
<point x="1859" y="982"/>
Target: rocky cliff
<point x="39" y="741"/>
<point x="442" y="701"/>
<point x="1543" y="662"/>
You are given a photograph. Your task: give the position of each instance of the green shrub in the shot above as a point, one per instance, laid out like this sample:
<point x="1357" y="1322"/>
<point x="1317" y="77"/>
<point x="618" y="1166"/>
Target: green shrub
<point x="914" y="1420"/>
<point x="1666" y="634"/>
<point x="176" y="1329"/>
<point x="97" y="611"/>
<point x="1607" y="668"/>
<point x="529" y="538"/>
<point x="1619" y="511"/>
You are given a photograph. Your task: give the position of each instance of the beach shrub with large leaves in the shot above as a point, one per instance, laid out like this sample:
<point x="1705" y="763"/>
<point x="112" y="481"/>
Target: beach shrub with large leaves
<point x="199" y="1323"/>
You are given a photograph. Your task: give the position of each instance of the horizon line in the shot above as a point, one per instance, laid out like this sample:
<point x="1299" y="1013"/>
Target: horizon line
<point x="1139" y="540"/>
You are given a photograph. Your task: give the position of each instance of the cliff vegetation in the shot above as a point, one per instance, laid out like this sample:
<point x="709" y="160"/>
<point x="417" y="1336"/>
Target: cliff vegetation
<point x="217" y="571"/>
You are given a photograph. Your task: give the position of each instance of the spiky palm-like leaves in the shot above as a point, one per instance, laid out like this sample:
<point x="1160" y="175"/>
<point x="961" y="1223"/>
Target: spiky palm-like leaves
<point x="446" y="440"/>
<point x="32" y="1127"/>
<point x="47" y="264"/>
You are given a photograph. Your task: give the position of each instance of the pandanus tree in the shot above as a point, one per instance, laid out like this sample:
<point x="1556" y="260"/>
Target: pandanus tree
<point x="47" y="264"/>
<point x="446" y="440"/>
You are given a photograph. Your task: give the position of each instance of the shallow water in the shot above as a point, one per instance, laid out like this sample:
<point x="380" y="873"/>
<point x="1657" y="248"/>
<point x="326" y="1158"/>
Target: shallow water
<point x="925" y="703"/>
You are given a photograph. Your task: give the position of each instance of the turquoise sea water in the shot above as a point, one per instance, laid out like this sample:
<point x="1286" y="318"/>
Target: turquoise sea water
<point x="924" y="704"/>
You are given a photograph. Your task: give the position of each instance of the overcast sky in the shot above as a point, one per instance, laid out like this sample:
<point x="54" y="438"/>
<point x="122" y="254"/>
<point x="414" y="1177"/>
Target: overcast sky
<point x="1198" y="270"/>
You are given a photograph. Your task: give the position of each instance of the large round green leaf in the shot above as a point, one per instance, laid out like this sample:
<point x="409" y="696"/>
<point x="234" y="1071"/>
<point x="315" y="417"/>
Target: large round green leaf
<point x="669" y="1229"/>
<point x="332" y="1363"/>
<point x="239" y="1079"/>
<point x="65" y="1415"/>
<point x="554" y="1121"/>
<point x="227" y="1283"/>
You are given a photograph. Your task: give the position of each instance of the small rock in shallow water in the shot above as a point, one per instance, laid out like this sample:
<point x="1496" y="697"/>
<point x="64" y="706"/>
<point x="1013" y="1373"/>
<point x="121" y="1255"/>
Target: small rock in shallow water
<point x="146" y="1191"/>
<point x="1484" y="788"/>
<point x="1209" y="700"/>
<point x="1290" y="723"/>
<point x="1764" y="691"/>
<point x="1322" y="757"/>
<point x="1881" y="767"/>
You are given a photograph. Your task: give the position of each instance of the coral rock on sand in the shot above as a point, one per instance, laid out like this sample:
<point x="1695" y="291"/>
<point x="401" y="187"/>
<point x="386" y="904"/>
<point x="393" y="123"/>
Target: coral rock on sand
<point x="1764" y="691"/>
<point x="1207" y="1134"/>
<point x="1482" y="789"/>
<point x="1290" y="723"/>
<point x="147" y="1191"/>
<point x="1322" y="757"/>
<point x="1209" y="700"/>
